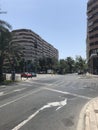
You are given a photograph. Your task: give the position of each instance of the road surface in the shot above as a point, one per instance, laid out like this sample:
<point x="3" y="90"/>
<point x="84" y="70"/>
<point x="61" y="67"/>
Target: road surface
<point x="48" y="102"/>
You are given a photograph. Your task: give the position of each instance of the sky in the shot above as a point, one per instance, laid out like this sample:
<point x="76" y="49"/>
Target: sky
<point x="61" y="23"/>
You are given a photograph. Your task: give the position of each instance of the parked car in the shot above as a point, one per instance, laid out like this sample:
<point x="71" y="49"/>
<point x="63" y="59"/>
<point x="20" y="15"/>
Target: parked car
<point x="26" y="75"/>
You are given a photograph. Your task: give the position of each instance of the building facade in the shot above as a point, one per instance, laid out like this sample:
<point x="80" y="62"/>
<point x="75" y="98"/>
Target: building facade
<point x="92" y="36"/>
<point x="33" y="46"/>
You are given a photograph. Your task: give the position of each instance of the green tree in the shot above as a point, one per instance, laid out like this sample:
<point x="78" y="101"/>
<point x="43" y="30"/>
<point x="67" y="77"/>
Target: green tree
<point x="14" y="55"/>
<point x="46" y="63"/>
<point x="4" y="25"/>
<point x="80" y="64"/>
<point x="69" y="61"/>
<point x="5" y="37"/>
<point x="8" y="50"/>
<point x="42" y="64"/>
<point x="52" y="63"/>
<point x="61" y="66"/>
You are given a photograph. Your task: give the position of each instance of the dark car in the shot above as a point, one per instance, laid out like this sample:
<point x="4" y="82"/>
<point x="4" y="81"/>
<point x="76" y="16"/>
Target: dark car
<point x="26" y="75"/>
<point x="80" y="72"/>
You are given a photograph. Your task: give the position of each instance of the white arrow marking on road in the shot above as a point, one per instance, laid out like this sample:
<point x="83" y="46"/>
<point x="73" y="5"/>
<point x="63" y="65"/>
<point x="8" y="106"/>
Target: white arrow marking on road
<point x="55" y="104"/>
<point x="49" y="105"/>
<point x="1" y="93"/>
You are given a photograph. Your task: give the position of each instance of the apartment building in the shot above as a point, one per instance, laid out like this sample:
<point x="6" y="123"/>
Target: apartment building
<point x="92" y="36"/>
<point x="33" y="46"/>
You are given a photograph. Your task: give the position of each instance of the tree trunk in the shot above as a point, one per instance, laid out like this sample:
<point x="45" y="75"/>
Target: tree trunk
<point x="1" y="69"/>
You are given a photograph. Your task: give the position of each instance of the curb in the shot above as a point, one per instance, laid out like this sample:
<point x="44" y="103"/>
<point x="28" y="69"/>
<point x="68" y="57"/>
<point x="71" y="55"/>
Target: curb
<point x="83" y="123"/>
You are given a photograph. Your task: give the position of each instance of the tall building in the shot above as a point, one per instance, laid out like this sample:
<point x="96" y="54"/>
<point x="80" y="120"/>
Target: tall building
<point x="92" y="36"/>
<point x="33" y="46"/>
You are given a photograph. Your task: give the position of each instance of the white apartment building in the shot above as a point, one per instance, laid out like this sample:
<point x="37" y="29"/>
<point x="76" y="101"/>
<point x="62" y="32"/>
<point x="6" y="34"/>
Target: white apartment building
<point x="33" y="46"/>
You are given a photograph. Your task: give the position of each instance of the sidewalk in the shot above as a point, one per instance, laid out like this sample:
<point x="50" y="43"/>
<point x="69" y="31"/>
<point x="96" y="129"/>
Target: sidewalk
<point x="88" y="119"/>
<point x="91" y="75"/>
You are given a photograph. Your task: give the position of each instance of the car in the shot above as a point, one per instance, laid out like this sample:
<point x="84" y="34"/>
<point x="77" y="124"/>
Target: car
<point x="26" y="75"/>
<point x="80" y="72"/>
<point x="33" y="74"/>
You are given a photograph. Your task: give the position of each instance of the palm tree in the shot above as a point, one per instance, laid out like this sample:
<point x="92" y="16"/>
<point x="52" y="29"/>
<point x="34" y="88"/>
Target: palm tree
<point x="4" y="25"/>
<point x="5" y="37"/>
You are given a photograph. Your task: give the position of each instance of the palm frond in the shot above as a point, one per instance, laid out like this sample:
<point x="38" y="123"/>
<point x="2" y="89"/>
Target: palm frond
<point x="4" y="25"/>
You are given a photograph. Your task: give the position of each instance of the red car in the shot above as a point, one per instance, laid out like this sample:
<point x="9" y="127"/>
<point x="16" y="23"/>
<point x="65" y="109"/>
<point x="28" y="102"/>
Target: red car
<point x="26" y="75"/>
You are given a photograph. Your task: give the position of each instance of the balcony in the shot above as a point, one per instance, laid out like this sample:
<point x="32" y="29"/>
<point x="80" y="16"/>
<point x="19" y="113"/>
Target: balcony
<point x="90" y="24"/>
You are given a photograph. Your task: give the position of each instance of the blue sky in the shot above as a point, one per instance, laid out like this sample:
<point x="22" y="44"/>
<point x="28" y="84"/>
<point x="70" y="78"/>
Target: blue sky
<point x="61" y="23"/>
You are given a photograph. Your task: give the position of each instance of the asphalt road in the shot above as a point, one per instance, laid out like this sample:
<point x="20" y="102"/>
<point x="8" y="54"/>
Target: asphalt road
<point x="48" y="102"/>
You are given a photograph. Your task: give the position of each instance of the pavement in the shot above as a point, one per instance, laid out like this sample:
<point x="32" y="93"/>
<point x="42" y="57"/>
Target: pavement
<point x="88" y="119"/>
<point x="91" y="75"/>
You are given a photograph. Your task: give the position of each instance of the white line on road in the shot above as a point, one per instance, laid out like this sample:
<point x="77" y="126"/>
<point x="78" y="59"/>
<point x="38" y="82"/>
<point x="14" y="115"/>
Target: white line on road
<point x="25" y="121"/>
<point x="24" y="84"/>
<point x="18" y="90"/>
<point x="3" y="86"/>
<point x="48" y="105"/>
<point x="17" y="99"/>
<point x="77" y="95"/>
<point x="1" y="93"/>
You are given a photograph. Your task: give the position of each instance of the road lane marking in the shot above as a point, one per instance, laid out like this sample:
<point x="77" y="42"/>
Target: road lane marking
<point x="18" y="90"/>
<point x="45" y="84"/>
<point x="25" y="121"/>
<point x="17" y="99"/>
<point x="48" y="105"/>
<point x="77" y="95"/>
<point x="3" y="86"/>
<point x="24" y="84"/>
<point x="1" y="93"/>
<point x="59" y="104"/>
